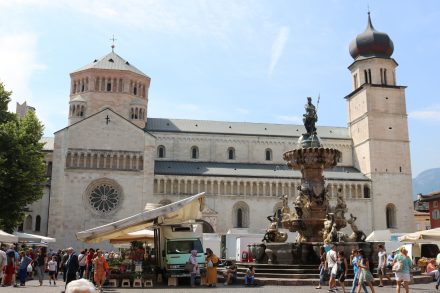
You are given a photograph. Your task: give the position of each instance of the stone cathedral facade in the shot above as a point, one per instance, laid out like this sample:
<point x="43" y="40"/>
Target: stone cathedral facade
<point x="112" y="158"/>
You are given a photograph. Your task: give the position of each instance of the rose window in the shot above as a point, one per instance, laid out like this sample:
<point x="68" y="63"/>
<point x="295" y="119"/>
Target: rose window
<point x="104" y="198"/>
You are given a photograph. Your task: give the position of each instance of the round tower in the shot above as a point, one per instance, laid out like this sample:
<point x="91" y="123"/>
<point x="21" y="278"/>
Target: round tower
<point x="109" y="82"/>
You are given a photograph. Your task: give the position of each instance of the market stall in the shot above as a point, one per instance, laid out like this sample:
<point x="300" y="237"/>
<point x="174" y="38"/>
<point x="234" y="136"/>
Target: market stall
<point x="139" y="263"/>
<point x="8" y="238"/>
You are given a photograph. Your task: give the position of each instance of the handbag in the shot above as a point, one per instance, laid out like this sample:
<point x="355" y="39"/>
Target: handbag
<point x="397" y="266"/>
<point x="188" y="267"/>
<point x="29" y="268"/>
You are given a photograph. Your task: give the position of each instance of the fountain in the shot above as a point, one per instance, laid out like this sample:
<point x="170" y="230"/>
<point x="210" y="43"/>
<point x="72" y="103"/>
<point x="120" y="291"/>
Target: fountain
<point x="312" y="217"/>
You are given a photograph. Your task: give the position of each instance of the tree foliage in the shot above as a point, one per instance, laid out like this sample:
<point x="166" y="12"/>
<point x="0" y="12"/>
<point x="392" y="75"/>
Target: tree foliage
<point x="22" y="168"/>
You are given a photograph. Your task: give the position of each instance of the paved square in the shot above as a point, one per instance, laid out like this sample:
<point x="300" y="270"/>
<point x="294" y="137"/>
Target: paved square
<point x="32" y="287"/>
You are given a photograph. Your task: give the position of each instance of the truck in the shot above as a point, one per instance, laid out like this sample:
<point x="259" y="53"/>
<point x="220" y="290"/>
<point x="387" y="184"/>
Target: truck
<point x="174" y="243"/>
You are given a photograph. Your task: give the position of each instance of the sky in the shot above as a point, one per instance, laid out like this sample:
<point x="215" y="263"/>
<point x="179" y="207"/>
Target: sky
<point x="250" y="61"/>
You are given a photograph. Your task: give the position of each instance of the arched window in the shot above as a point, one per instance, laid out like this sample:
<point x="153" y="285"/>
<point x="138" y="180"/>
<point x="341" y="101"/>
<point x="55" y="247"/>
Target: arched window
<point x="366" y="191"/>
<point x="239" y="218"/>
<point x="28" y="223"/>
<point x="37" y="223"/>
<point x="240" y="213"/>
<point x="231" y="153"/>
<point x="161" y="151"/>
<point x="391" y="216"/>
<point x="109" y="86"/>
<point x="268" y="154"/>
<point x="194" y="152"/>
<point x="135" y="91"/>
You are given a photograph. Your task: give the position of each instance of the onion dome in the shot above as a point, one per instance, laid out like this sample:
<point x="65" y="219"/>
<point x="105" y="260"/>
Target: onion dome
<point x="371" y="43"/>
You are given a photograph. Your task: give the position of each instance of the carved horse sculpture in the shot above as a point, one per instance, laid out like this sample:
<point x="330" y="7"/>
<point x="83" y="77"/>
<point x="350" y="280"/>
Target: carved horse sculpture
<point x="357" y="235"/>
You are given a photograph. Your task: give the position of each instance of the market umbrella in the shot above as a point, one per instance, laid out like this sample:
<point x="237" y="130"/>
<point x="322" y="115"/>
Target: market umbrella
<point x="26" y="237"/>
<point x="6" y="237"/>
<point x="432" y="235"/>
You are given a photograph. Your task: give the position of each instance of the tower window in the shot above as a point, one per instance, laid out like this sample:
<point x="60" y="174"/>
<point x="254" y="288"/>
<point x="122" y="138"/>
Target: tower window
<point x="366" y="192"/>
<point x="194" y="152"/>
<point x="231" y="153"/>
<point x="268" y="155"/>
<point x="355" y="80"/>
<point x="38" y="223"/>
<point x="135" y="91"/>
<point x="369" y="76"/>
<point x="161" y="151"/>
<point x="391" y="216"/>
<point x="385" y="77"/>
<point x="109" y="86"/>
<point x="82" y="87"/>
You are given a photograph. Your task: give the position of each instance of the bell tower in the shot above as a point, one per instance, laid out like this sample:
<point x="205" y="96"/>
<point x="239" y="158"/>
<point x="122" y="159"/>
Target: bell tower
<point x="377" y="122"/>
<point x="109" y="82"/>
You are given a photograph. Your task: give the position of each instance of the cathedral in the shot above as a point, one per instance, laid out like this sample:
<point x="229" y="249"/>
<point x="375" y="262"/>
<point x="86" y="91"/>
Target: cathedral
<point x="112" y="158"/>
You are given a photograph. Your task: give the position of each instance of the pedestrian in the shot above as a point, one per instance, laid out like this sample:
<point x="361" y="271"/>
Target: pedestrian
<point x="382" y="265"/>
<point x="89" y="263"/>
<point x="195" y="266"/>
<point x="25" y="261"/>
<point x="80" y="286"/>
<point x="401" y="266"/>
<point x="342" y="270"/>
<point x="432" y="269"/>
<point x="59" y="256"/>
<point x="230" y="274"/>
<point x="9" y="270"/>
<point x="82" y="259"/>
<point x="211" y="268"/>
<point x="331" y="265"/>
<point x="100" y="268"/>
<point x="355" y="257"/>
<point x="2" y="263"/>
<point x="365" y="275"/>
<point x="390" y="260"/>
<point x="41" y="264"/>
<point x="52" y="267"/>
<point x="64" y="259"/>
<point x="249" y="278"/>
<point x="322" y="270"/>
<point x="72" y="265"/>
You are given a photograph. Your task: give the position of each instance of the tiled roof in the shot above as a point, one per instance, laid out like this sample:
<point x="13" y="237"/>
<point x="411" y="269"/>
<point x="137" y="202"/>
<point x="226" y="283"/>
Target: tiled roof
<point x="429" y="197"/>
<point x="247" y="170"/>
<point x="241" y="128"/>
<point x="111" y="61"/>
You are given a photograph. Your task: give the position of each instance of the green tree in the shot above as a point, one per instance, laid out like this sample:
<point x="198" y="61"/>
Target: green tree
<point x="22" y="169"/>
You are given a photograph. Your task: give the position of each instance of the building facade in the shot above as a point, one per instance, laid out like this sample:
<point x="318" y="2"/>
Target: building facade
<point x="112" y="158"/>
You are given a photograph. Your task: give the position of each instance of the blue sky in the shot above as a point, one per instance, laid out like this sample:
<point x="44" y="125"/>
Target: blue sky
<point x="254" y="61"/>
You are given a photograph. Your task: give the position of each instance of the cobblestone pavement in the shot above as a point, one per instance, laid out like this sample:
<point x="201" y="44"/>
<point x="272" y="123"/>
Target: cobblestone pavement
<point x="32" y="287"/>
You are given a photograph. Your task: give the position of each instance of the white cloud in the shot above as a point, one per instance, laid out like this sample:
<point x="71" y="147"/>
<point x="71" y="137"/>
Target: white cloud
<point x="431" y="114"/>
<point x="278" y="47"/>
<point x="291" y="119"/>
<point x="18" y="59"/>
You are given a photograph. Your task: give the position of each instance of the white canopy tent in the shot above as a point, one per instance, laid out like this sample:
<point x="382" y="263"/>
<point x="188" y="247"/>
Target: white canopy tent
<point x="426" y="236"/>
<point x="8" y="238"/>
<point x="26" y="237"/>
<point x="144" y="235"/>
<point x="174" y="213"/>
<point x="379" y="235"/>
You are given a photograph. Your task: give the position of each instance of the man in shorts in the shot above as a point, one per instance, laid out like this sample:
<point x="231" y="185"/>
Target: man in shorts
<point x="382" y="265"/>
<point x="331" y="261"/>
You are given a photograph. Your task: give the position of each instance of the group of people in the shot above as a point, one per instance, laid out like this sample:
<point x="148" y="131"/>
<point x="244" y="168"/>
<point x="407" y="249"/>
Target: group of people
<point x="211" y="263"/>
<point x="89" y="264"/>
<point x="334" y="264"/>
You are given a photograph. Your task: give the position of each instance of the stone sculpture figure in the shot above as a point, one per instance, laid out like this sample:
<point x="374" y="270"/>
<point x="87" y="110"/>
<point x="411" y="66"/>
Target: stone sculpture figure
<point x="310" y="117"/>
<point x="328" y="226"/>
<point x="341" y="206"/>
<point x="357" y="235"/>
<point x="272" y="232"/>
